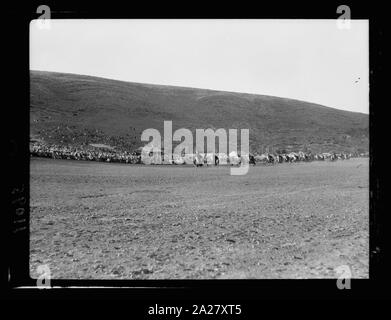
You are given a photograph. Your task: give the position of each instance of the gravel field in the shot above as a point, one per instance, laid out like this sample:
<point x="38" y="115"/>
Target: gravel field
<point x="117" y="221"/>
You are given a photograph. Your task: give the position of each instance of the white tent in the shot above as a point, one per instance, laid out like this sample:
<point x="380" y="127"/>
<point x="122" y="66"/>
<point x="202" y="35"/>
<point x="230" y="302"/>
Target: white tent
<point x="261" y="158"/>
<point x="178" y="159"/>
<point x="199" y="158"/>
<point x="210" y="158"/>
<point x="234" y="158"/>
<point x="223" y="158"/>
<point x="189" y="158"/>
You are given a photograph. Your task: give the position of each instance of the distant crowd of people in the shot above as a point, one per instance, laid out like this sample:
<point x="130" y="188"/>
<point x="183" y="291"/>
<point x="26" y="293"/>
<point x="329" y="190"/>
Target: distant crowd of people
<point x="73" y="153"/>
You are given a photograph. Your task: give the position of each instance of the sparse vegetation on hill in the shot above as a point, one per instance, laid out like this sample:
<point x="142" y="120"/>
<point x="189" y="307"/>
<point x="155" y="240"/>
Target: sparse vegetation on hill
<point x="74" y="109"/>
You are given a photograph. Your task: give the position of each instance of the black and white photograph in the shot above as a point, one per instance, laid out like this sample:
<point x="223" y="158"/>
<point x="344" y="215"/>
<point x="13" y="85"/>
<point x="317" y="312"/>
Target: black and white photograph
<point x="198" y="149"/>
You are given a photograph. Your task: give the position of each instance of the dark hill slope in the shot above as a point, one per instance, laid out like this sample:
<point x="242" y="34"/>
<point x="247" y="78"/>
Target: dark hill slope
<point x="77" y="109"/>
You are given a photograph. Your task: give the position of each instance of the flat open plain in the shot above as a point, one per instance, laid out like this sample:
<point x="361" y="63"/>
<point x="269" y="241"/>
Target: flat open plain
<point x="117" y="221"/>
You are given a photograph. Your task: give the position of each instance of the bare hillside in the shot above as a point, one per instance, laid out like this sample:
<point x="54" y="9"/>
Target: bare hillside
<point x="76" y="109"/>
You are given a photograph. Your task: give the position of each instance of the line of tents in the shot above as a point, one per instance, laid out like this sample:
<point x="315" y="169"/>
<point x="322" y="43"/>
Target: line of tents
<point x="233" y="158"/>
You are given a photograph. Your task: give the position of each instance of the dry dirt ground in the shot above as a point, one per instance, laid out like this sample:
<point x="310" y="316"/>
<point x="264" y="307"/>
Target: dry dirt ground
<point x="117" y="221"/>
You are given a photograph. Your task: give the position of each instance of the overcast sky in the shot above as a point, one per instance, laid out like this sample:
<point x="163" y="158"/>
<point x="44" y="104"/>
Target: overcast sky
<point x="310" y="60"/>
